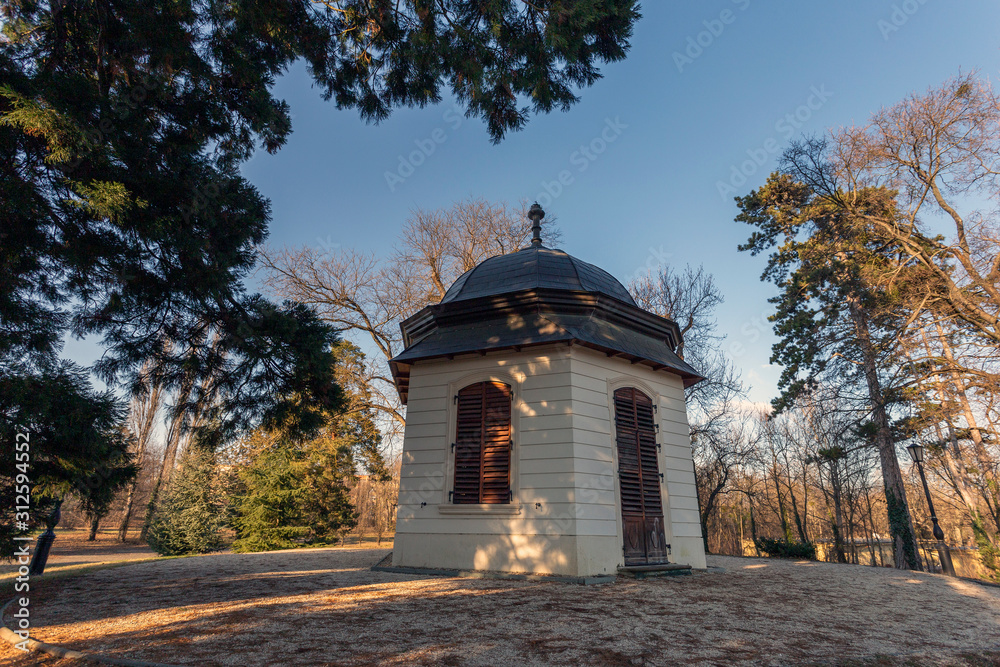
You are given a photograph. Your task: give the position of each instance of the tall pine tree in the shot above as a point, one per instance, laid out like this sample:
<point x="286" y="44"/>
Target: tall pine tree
<point x="831" y="319"/>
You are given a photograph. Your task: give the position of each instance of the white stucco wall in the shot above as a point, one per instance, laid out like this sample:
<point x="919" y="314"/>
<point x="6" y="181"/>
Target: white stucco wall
<point x="564" y="516"/>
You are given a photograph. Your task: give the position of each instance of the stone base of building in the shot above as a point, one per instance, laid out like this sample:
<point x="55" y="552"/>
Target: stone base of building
<point x="387" y="566"/>
<point x="575" y="556"/>
<point x="562" y="555"/>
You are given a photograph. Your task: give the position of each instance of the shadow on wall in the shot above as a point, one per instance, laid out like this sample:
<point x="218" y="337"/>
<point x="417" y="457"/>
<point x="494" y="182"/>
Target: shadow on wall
<point x="523" y="553"/>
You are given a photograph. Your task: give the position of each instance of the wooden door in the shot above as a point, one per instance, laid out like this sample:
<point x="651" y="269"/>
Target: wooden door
<point x="639" y="479"/>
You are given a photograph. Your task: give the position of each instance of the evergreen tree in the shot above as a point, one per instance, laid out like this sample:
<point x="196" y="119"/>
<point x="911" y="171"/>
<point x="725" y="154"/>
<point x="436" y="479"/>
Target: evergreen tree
<point x="269" y="513"/>
<point x="327" y="467"/>
<point x="193" y="513"/>
<point x="831" y="317"/>
<point x="294" y="491"/>
<point x="355" y="429"/>
<point x="67" y="439"/>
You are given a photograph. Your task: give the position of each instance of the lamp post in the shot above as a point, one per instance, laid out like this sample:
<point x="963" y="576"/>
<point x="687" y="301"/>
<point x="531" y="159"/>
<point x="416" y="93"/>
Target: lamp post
<point x="44" y="544"/>
<point x="917" y="453"/>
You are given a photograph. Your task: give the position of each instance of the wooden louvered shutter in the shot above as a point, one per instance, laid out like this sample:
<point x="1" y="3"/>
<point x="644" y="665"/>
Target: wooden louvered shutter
<point x="482" y="444"/>
<point x="639" y="478"/>
<point x="629" y="477"/>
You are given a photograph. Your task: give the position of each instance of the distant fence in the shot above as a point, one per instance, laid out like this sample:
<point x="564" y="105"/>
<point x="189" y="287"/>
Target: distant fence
<point x="880" y="554"/>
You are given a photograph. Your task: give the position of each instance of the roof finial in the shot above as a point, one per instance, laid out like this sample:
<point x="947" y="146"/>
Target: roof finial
<point x="535" y="214"/>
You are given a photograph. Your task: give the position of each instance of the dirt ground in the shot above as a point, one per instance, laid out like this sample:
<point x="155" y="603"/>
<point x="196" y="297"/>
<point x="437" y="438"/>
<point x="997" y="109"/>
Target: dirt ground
<point x="325" y="607"/>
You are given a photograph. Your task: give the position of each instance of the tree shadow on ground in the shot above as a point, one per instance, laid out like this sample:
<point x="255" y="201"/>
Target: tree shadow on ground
<point x="326" y="607"/>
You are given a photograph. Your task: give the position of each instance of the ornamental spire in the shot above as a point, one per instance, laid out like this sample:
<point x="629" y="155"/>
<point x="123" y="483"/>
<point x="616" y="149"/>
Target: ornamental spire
<point x="535" y="214"/>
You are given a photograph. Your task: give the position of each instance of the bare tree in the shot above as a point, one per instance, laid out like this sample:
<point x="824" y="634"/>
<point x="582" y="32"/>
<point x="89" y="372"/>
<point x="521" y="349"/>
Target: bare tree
<point x="719" y="454"/>
<point x="366" y="296"/>
<point x="141" y="419"/>
<point x="689" y="298"/>
<point x="889" y="188"/>
<point x="929" y="156"/>
<point x="384" y="506"/>
<point x="186" y="413"/>
<point x="960" y="454"/>
<point x="375" y="501"/>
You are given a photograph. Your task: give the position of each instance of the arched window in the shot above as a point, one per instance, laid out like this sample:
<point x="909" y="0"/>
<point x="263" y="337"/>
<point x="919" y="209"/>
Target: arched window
<point x="482" y="444"/>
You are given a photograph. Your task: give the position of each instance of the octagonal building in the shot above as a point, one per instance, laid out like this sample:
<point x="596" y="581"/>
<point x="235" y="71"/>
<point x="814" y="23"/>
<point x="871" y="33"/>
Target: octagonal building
<point x="546" y="429"/>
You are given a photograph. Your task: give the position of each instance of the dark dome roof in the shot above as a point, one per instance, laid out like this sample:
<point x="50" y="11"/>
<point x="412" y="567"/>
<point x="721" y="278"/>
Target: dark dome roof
<point x="535" y="267"/>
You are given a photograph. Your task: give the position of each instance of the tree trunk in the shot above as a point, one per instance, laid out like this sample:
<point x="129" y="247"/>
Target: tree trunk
<point x="799" y="526"/>
<point x="956" y="471"/>
<point x="786" y="529"/>
<point x="805" y="504"/>
<point x="838" y="513"/>
<point x="982" y="456"/>
<point x="953" y="459"/>
<point x="169" y="457"/>
<point x="702" y="517"/>
<point x="963" y="399"/>
<point x="869" y="530"/>
<point x="95" y="521"/>
<point x="740" y="513"/>
<point x="905" y="550"/>
<point x="144" y="416"/>
<point x="871" y="522"/>
<point x="851" y="532"/>
<point x="127" y="512"/>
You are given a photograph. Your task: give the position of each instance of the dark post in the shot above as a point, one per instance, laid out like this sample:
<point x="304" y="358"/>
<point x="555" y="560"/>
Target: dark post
<point x="917" y="452"/>
<point x="44" y="544"/>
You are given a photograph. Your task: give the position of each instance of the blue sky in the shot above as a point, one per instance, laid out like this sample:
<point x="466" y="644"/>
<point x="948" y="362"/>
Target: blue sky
<point x="707" y="87"/>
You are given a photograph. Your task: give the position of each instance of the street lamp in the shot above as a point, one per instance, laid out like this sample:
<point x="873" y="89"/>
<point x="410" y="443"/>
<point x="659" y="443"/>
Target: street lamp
<point x="44" y="544"/>
<point x="917" y="453"/>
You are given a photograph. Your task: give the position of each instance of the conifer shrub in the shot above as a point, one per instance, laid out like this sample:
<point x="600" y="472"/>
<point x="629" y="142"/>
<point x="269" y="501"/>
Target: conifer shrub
<point x="191" y="517"/>
<point x="294" y="494"/>
<point x="786" y="548"/>
<point x="268" y="514"/>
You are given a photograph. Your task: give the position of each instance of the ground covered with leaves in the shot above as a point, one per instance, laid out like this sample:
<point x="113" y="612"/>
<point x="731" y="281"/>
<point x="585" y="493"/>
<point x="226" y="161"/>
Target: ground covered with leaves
<point x="325" y="607"/>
